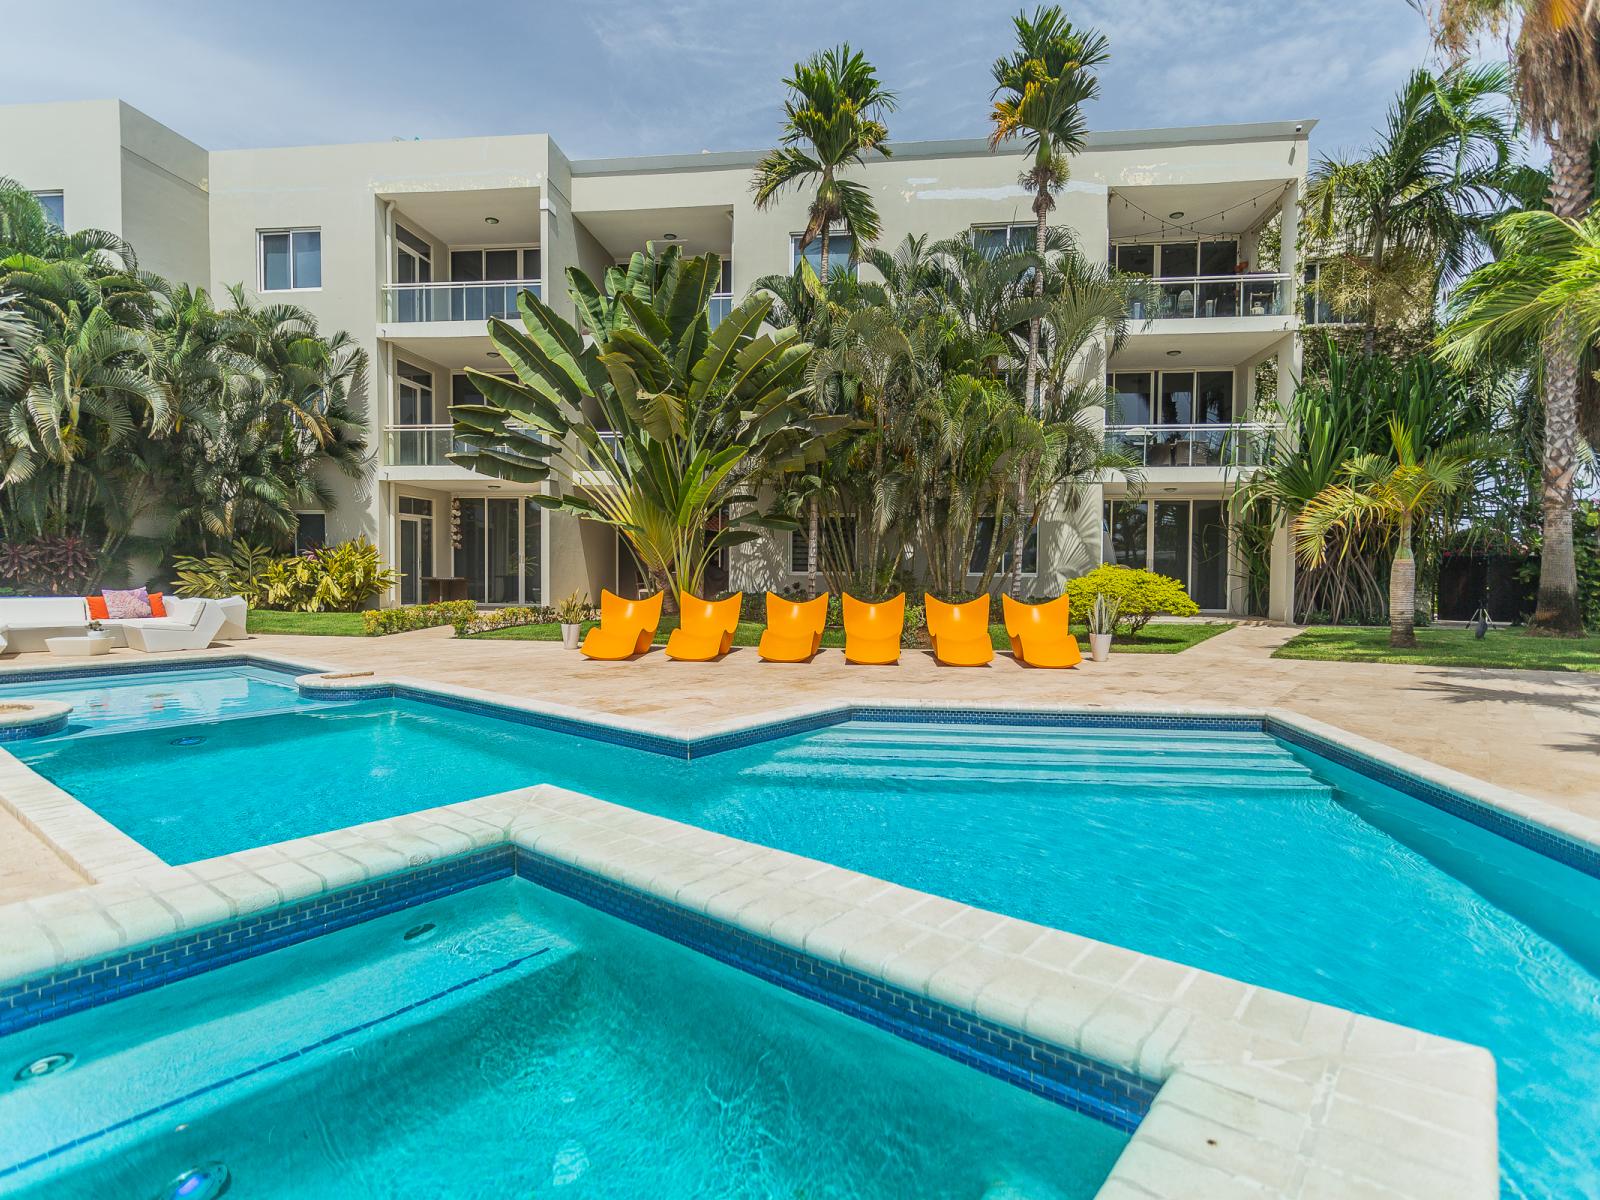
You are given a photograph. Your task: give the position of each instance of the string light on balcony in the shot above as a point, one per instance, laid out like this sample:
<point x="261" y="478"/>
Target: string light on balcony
<point x="1172" y="220"/>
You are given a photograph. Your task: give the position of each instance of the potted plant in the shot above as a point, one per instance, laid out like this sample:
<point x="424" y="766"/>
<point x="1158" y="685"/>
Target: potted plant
<point x="1103" y="614"/>
<point x="569" y="615"/>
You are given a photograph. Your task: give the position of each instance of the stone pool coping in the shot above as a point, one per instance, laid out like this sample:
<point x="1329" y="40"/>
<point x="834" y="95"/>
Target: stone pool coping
<point x="1261" y="1093"/>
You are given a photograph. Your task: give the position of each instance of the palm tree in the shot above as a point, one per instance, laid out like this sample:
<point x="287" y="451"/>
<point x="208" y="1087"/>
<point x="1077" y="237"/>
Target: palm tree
<point x="1404" y="218"/>
<point x="833" y="118"/>
<point x="1039" y="93"/>
<point x="1554" y="50"/>
<point x="1387" y="495"/>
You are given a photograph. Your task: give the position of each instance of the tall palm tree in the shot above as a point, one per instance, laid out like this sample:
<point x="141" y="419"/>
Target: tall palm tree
<point x="1039" y="93"/>
<point x="1554" y="50"/>
<point x="833" y="118"/>
<point x="1386" y="494"/>
<point x="1404" y="217"/>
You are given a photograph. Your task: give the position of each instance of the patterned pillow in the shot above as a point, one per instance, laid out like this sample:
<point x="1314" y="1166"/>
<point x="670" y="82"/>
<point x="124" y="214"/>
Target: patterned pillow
<point x="121" y="606"/>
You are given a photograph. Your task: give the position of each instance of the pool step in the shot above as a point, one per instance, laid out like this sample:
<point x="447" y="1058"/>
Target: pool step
<point x="1067" y="758"/>
<point x="1222" y="741"/>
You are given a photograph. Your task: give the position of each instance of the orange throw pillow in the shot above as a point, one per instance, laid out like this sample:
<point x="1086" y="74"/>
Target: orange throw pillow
<point x="97" y="608"/>
<point x="158" y="607"/>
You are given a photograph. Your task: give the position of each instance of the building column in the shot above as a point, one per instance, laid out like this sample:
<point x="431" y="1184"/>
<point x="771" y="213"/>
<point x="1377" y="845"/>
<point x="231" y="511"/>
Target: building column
<point x="1280" y="586"/>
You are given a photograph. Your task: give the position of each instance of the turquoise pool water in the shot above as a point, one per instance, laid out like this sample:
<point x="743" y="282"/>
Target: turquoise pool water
<point x="1229" y="851"/>
<point x="110" y="703"/>
<point x="596" y="1060"/>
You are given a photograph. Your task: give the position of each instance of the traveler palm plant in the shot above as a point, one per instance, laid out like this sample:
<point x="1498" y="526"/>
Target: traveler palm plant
<point x="1554" y="49"/>
<point x="833" y="118"/>
<point x="654" y="426"/>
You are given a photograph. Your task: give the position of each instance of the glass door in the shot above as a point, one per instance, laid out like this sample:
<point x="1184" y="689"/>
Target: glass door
<point x="498" y="549"/>
<point x="413" y="264"/>
<point x="1186" y="540"/>
<point x="416" y="548"/>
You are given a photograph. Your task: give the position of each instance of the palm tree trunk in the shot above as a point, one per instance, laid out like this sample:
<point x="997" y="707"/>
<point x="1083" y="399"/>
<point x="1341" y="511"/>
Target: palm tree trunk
<point x="1403" y="591"/>
<point x="1030" y="381"/>
<point x="812" y="541"/>
<point x="822" y="260"/>
<point x="1556" y="611"/>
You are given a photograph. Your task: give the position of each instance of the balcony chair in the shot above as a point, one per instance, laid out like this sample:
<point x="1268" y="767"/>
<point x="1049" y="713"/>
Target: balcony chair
<point x="872" y="631"/>
<point x="706" y="628"/>
<point x="627" y="627"/>
<point x="794" y="629"/>
<point x="960" y="632"/>
<point x="1039" y="634"/>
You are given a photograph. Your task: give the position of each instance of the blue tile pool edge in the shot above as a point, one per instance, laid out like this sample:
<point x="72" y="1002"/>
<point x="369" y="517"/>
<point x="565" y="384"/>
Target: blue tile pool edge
<point x="9" y="674"/>
<point x="1109" y="1094"/>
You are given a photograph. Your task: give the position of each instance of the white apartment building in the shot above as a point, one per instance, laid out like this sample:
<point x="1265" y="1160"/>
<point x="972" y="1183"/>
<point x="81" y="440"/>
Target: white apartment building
<point x="411" y="245"/>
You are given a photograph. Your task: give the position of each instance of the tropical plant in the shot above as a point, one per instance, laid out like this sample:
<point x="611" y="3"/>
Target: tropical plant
<point x="56" y="565"/>
<point x="341" y="578"/>
<point x="833" y="118"/>
<point x="1386" y="495"/>
<point x="1554" y="50"/>
<point x="1406" y="216"/>
<point x="237" y="571"/>
<point x="573" y="609"/>
<point x="655" y="426"/>
<point x="1139" y="595"/>
<point x="1103" y="613"/>
<point x="1039" y="93"/>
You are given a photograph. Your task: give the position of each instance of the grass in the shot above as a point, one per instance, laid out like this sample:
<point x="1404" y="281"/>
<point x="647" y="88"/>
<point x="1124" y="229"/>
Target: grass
<point x="329" y="624"/>
<point x="1508" y="649"/>
<point x="1152" y="639"/>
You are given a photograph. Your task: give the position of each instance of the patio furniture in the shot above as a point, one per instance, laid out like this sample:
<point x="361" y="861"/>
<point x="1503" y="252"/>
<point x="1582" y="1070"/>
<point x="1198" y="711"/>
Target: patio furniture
<point x="189" y="625"/>
<point x="28" y="622"/>
<point x="706" y="627"/>
<point x="80" y="647"/>
<point x="794" y="629"/>
<point x="235" y="617"/>
<point x="959" y="632"/>
<point x="1039" y="634"/>
<point x="440" y="588"/>
<point x="872" y="630"/>
<point x="626" y="627"/>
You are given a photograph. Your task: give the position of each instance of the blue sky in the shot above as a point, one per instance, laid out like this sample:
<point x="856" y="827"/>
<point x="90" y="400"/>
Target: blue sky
<point x="638" y="77"/>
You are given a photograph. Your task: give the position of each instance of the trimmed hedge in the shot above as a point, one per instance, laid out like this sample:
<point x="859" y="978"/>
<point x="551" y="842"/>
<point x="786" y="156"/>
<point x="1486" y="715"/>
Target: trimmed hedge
<point x="376" y="622"/>
<point x="1143" y="594"/>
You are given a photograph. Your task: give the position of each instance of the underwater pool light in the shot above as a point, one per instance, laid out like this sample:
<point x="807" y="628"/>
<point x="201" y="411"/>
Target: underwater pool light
<point x="204" y="1182"/>
<point x="48" y="1064"/>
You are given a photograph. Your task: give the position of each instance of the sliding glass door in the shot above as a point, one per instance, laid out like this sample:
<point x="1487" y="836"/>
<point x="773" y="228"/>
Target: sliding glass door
<point x="498" y="549"/>
<point x="1185" y="539"/>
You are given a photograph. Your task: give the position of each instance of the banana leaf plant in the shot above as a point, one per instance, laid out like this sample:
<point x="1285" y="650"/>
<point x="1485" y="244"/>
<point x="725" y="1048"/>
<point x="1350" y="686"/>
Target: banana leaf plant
<point x="647" y="419"/>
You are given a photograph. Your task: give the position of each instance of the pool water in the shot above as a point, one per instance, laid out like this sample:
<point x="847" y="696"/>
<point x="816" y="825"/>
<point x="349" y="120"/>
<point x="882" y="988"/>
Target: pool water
<point x="1233" y="852"/>
<point x="556" y="1052"/>
<point x="111" y="703"/>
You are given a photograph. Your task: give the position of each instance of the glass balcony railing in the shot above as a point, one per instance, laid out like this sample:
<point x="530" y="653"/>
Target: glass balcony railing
<point x="1217" y="296"/>
<point x="720" y="306"/>
<point x="404" y="303"/>
<point x="417" y="445"/>
<point x="1153" y="446"/>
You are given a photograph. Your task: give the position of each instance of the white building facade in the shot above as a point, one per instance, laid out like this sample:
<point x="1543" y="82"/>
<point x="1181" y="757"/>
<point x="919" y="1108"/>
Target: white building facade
<point x="411" y="245"/>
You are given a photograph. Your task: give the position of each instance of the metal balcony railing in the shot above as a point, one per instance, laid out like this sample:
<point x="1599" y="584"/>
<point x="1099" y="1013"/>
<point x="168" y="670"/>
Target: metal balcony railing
<point x="1154" y="446"/>
<point x="404" y="303"/>
<point x="1259" y="295"/>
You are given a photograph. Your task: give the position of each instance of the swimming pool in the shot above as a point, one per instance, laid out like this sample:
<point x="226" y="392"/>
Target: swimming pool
<point x="508" y="1041"/>
<point x="110" y="702"/>
<point x="1220" y="847"/>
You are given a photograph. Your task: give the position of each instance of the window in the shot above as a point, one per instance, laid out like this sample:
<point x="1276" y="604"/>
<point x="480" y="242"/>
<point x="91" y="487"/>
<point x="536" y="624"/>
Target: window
<point x="291" y="260"/>
<point x="310" y="531"/>
<point x="1319" y="309"/>
<point x="841" y="246"/>
<point x="836" y="537"/>
<point x="495" y="264"/>
<point x="1185" y="397"/>
<point x="998" y="239"/>
<point x="413" y="394"/>
<point x="55" y="207"/>
<point x="980" y="551"/>
<point x="1184" y="539"/>
<point x="1178" y="260"/>
<point x="725" y="281"/>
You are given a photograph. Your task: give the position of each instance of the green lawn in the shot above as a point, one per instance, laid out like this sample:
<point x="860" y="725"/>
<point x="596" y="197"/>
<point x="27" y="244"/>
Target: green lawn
<point x="1153" y="639"/>
<point x="323" y="623"/>
<point x="1511" y="649"/>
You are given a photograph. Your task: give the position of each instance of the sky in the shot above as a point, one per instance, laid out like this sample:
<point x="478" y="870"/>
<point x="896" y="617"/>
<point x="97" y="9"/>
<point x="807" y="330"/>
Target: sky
<point x="630" y="77"/>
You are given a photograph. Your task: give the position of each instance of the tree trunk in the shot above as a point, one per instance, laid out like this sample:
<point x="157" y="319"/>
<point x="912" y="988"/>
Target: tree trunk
<point x="812" y="542"/>
<point x="1030" y="383"/>
<point x="1403" y="592"/>
<point x="823" y="259"/>
<point x="1557" y="612"/>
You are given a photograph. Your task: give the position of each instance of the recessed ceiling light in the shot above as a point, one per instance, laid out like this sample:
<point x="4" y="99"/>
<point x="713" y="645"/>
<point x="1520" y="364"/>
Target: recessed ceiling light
<point x="669" y="237"/>
<point x="491" y="220"/>
<point x="494" y="487"/>
<point x="496" y="353"/>
<point x="1175" y="215"/>
<point x="1174" y="353"/>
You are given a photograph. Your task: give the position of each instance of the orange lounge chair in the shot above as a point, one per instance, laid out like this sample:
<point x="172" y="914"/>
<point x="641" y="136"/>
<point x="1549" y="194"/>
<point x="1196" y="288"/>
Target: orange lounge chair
<point x="794" y="629"/>
<point x="1039" y="633"/>
<point x="872" y="631"/>
<point x="959" y="632"/>
<point x="626" y="627"/>
<point x="706" y="628"/>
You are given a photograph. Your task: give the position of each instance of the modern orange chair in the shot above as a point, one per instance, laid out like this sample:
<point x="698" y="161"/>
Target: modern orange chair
<point x="794" y="629"/>
<point x="872" y="631"/>
<point x="959" y="632"/>
<point x="626" y="627"/>
<point x="1039" y="633"/>
<point x="705" y="629"/>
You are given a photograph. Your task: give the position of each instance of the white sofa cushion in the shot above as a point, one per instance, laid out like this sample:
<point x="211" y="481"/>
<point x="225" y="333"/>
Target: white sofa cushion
<point x="43" y="610"/>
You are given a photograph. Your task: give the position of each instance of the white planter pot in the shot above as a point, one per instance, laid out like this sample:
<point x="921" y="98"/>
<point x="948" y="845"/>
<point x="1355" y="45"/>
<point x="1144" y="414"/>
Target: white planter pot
<point x="569" y="635"/>
<point x="1099" y="646"/>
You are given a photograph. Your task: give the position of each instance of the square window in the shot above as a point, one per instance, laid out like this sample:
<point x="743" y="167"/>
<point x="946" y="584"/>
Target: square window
<point x="841" y="246"/>
<point x="311" y="531"/>
<point x="291" y="260"/>
<point x="54" y="205"/>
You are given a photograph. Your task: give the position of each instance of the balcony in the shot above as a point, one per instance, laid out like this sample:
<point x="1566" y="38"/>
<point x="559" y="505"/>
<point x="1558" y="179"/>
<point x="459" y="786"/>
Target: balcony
<point x="418" y="445"/>
<point x="1156" y="446"/>
<point x="1210" y="296"/>
<point x="418" y="303"/>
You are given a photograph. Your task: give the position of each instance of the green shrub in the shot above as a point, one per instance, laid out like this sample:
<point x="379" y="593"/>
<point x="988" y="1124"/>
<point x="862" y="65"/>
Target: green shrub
<point x="376" y="622"/>
<point x="505" y="618"/>
<point x="1142" y="594"/>
<point x="342" y="578"/>
<point x="239" y="572"/>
